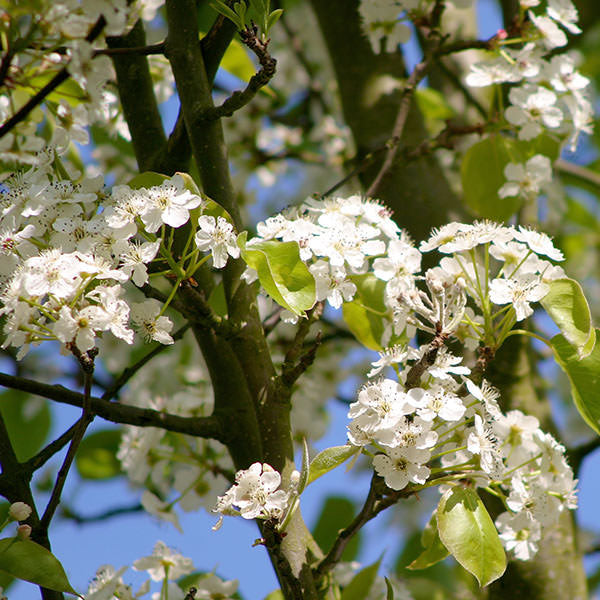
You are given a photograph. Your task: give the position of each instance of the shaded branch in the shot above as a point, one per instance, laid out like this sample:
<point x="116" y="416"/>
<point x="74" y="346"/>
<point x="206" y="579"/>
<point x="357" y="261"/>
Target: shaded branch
<point x="69" y="513"/>
<point x="205" y="427"/>
<point x="139" y="50"/>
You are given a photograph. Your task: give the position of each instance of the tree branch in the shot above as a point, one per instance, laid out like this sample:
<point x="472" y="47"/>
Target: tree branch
<point x="205" y="427"/>
<point x="240" y="98"/>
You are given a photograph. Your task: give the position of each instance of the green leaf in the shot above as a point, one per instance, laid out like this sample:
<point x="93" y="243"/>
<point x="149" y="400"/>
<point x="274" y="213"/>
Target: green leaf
<point x="482" y="175"/>
<point x="69" y="90"/>
<point x="365" y="314"/>
<point x="24" y="559"/>
<point x="281" y="272"/>
<point x="434" y="551"/>
<point x="468" y="532"/>
<point x="337" y="513"/>
<point x="275" y="595"/>
<point x="147" y="179"/>
<point x="96" y="456"/>
<point x="389" y="594"/>
<point x="361" y="584"/>
<point x="273" y="18"/>
<point x="237" y="62"/>
<point x="584" y="376"/>
<point x="567" y="306"/>
<point x="329" y="459"/>
<point x="24" y="413"/>
<point x="222" y="8"/>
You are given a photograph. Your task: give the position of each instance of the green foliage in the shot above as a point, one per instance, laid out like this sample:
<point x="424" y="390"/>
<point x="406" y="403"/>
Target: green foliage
<point x="482" y="174"/>
<point x="23" y="413"/>
<point x="336" y="514"/>
<point x="243" y="14"/>
<point x="434" y="551"/>
<point x="469" y="534"/>
<point x="24" y="559"/>
<point x="365" y="314"/>
<point x="97" y="455"/>
<point x="584" y="376"/>
<point x="567" y="306"/>
<point x="281" y="272"/>
<point x="361" y="584"/>
<point x="329" y="459"/>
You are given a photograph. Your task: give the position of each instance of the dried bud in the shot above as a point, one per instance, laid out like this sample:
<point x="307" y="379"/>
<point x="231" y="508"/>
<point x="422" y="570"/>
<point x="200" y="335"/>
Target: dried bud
<point x="19" y="511"/>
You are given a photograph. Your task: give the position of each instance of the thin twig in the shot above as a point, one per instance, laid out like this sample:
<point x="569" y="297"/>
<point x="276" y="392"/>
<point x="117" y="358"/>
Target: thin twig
<point x="68" y="513"/>
<point x="46" y="453"/>
<point x="582" y="173"/>
<point x="129" y="372"/>
<point x="344" y="537"/>
<point x="240" y="98"/>
<point x="407" y="95"/>
<point x="87" y="365"/>
<point x="39" y="97"/>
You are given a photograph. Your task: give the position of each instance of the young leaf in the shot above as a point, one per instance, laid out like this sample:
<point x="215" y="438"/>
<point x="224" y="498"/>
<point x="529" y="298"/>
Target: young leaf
<point x="468" y="532"/>
<point x="482" y="174"/>
<point x="273" y="18"/>
<point x="336" y="513"/>
<point x="567" y="306"/>
<point x="584" y="375"/>
<point x="329" y="459"/>
<point x="434" y="549"/>
<point x="305" y="467"/>
<point x="389" y="594"/>
<point x="222" y="8"/>
<point x="361" y="584"/>
<point x="24" y="559"/>
<point x="281" y="272"/>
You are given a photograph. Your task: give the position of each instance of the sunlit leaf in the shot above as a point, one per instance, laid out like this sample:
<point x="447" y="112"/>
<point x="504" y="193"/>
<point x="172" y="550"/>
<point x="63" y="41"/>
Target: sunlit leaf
<point x="469" y="534"/>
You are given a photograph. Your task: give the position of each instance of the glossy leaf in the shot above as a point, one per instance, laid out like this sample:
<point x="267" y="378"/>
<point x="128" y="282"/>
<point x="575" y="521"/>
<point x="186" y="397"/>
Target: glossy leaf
<point x="584" y="376"/>
<point x="567" y="306"/>
<point x="434" y="551"/>
<point x="96" y="456"/>
<point x="68" y="90"/>
<point x="482" y="174"/>
<point x="360" y="585"/>
<point x="303" y="482"/>
<point x="281" y="272"/>
<point x="24" y="559"/>
<point x="329" y="459"/>
<point x="469" y="534"/>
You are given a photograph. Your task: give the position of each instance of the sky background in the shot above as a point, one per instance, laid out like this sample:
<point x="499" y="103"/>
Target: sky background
<point x="121" y="540"/>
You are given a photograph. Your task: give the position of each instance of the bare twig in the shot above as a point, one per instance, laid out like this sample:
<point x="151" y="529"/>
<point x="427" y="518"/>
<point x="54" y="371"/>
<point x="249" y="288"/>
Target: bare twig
<point x="582" y="173"/>
<point x="69" y="513"/>
<point x="86" y="360"/>
<point x="240" y="98"/>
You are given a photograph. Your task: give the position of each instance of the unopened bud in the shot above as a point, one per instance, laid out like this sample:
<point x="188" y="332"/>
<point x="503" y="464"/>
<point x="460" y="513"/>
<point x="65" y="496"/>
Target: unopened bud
<point x="24" y="532"/>
<point x="19" y="511"/>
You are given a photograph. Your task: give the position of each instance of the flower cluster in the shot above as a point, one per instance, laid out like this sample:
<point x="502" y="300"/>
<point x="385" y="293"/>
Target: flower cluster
<point x="444" y="429"/>
<point x="164" y="565"/>
<point x="255" y="495"/>
<point x="64" y="263"/>
<point x="549" y="93"/>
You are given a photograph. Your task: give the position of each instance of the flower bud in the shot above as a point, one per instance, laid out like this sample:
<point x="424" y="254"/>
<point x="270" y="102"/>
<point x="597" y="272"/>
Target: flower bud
<point x="19" y="511"/>
<point x="24" y="532"/>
